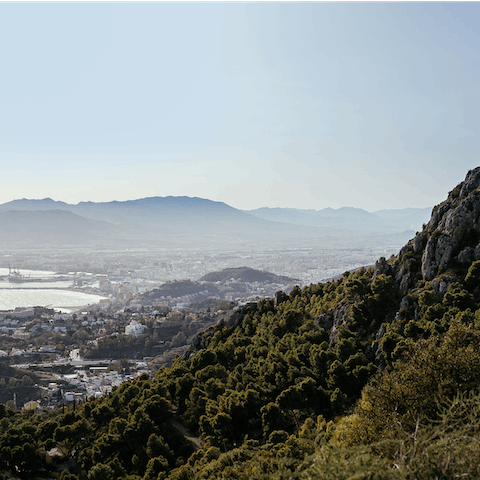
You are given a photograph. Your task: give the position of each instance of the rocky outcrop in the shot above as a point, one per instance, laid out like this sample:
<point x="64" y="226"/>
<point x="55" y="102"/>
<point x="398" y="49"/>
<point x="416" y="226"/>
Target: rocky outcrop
<point x="381" y="268"/>
<point x="404" y="268"/>
<point x="324" y="321"/>
<point x="451" y="238"/>
<point x="331" y="322"/>
<point x="236" y="317"/>
<point x="280" y="297"/>
<point x="443" y="250"/>
<point x="454" y="229"/>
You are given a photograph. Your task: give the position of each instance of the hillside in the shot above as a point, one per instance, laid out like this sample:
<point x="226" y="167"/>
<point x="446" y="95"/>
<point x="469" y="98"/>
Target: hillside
<point x="373" y="375"/>
<point x="230" y="283"/>
<point x="177" y="289"/>
<point x="55" y="227"/>
<point x="246" y="274"/>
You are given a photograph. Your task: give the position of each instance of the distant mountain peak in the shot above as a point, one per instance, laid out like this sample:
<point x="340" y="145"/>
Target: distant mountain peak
<point x="160" y="201"/>
<point x="26" y="203"/>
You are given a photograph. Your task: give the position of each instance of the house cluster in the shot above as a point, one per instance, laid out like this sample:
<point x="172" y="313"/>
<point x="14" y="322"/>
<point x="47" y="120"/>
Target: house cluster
<point x="122" y="289"/>
<point x="40" y="339"/>
<point x="44" y="331"/>
<point x="97" y="381"/>
<point x="82" y="384"/>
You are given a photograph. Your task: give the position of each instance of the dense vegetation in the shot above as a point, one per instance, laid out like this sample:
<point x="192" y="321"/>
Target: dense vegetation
<point x="374" y="375"/>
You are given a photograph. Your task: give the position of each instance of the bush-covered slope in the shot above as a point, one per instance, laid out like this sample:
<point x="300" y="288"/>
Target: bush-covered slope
<point x="374" y="375"/>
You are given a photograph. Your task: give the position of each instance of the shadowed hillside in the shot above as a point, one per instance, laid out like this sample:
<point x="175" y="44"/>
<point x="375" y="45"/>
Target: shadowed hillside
<point x="52" y="227"/>
<point x="246" y="274"/>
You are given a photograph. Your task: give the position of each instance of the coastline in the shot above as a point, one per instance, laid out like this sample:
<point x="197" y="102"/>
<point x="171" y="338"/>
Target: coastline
<point x="31" y="297"/>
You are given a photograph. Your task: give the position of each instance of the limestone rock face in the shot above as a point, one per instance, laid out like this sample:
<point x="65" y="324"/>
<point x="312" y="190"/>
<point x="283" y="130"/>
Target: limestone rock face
<point x="453" y="234"/>
<point x="419" y="242"/>
<point x="333" y="320"/>
<point x="382" y="267"/>
<point x="324" y="321"/>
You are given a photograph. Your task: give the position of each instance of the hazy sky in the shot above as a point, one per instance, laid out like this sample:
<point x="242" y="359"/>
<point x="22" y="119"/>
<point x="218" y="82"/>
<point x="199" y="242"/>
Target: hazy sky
<point x="306" y="105"/>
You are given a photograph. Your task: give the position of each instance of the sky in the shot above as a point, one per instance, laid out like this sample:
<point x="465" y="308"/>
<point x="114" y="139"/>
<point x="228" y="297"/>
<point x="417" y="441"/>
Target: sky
<point x="302" y="105"/>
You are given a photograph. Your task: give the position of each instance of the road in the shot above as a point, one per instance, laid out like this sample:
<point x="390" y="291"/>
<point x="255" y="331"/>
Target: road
<point x="60" y="363"/>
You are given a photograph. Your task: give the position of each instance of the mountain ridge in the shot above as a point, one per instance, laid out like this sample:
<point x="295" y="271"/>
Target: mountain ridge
<point x="348" y="217"/>
<point x="186" y="222"/>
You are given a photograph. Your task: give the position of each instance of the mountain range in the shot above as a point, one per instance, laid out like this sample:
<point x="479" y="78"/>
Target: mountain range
<point x="349" y="218"/>
<point x="190" y="222"/>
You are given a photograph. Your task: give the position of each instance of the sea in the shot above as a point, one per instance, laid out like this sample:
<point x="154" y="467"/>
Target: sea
<point x="52" y="294"/>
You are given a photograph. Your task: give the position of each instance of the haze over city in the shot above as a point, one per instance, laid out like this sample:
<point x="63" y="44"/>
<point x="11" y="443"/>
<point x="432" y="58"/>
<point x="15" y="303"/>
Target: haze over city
<point x="302" y="105"/>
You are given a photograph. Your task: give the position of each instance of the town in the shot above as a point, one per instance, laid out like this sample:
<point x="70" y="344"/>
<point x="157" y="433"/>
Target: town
<point x="50" y="358"/>
<point x="142" y="316"/>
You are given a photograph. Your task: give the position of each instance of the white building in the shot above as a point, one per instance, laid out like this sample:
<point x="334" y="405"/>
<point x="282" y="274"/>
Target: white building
<point x="134" y="328"/>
